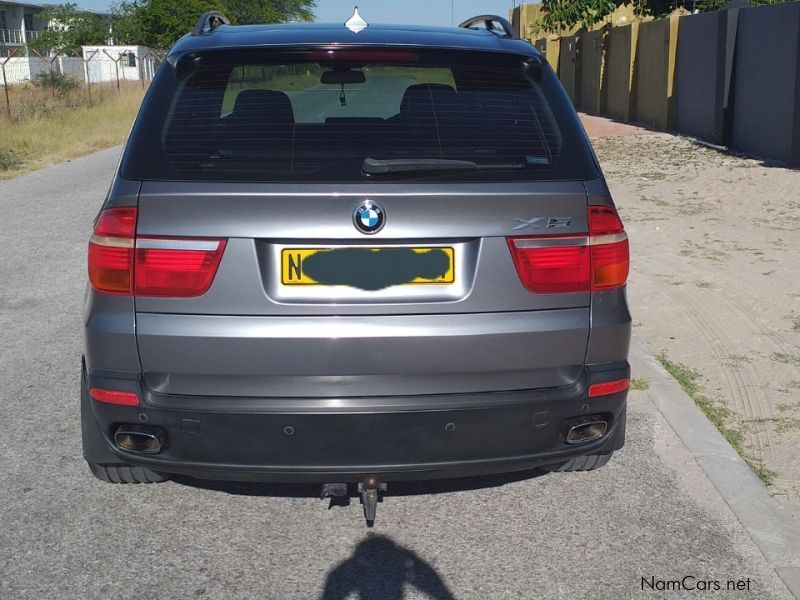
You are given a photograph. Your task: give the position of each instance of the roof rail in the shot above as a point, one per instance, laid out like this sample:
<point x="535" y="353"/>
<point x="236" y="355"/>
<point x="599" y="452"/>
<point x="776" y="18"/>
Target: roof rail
<point x="209" y="21"/>
<point x="489" y="22"/>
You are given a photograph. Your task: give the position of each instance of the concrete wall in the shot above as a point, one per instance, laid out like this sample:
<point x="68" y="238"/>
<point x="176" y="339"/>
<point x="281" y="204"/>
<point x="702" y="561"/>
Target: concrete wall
<point x="591" y="85"/>
<point x="618" y="73"/>
<point x="730" y="77"/>
<point x="106" y="62"/>
<point x="650" y="75"/>
<point x="568" y="65"/>
<point x="700" y="76"/>
<point x="766" y="83"/>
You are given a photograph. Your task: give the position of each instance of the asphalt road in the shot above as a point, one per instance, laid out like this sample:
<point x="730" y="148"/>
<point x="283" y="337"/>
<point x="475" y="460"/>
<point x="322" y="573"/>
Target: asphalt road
<point x="63" y="534"/>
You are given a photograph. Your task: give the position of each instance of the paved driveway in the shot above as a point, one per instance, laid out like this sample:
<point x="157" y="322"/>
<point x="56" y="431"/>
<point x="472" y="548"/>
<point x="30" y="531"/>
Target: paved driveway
<point x="63" y="534"/>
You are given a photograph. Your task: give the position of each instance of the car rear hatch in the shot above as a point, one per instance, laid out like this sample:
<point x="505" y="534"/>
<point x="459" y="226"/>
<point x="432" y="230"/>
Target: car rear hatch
<point x="279" y="163"/>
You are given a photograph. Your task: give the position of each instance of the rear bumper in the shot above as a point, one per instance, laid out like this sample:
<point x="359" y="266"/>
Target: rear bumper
<point x="323" y="440"/>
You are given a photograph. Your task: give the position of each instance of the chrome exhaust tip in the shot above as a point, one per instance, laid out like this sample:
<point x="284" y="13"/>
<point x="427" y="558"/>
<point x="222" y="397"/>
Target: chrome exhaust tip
<point x="585" y="429"/>
<point x="141" y="439"/>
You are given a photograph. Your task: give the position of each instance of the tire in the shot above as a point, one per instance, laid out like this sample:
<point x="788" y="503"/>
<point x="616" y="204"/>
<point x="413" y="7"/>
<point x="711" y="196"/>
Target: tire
<point x="122" y="473"/>
<point x="581" y="463"/>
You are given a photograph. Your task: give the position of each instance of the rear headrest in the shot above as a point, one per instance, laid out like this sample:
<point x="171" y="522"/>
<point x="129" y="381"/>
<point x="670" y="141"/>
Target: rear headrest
<point x="422" y="97"/>
<point x="263" y="106"/>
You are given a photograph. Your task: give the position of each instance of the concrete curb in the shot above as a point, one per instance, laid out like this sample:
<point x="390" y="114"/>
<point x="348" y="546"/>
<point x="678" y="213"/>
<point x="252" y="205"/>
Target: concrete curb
<point x="767" y="522"/>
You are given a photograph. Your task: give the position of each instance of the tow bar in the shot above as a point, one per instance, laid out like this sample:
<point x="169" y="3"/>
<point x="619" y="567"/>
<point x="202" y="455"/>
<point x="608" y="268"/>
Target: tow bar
<point x="370" y="489"/>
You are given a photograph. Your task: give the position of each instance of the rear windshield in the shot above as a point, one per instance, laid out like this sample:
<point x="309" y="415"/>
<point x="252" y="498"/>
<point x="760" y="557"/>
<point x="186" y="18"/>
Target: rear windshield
<point x="356" y="115"/>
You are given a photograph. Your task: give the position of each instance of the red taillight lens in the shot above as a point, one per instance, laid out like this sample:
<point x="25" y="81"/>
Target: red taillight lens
<point x="179" y="268"/>
<point x="119" y="263"/>
<point x="608" y="387"/>
<point x="551" y="270"/>
<point x="111" y="251"/>
<point x="559" y="264"/>
<point x="114" y="397"/>
<point x="604" y="220"/>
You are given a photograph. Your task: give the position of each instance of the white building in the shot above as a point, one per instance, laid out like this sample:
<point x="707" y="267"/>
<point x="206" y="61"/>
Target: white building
<point x="128" y="63"/>
<point x="18" y="24"/>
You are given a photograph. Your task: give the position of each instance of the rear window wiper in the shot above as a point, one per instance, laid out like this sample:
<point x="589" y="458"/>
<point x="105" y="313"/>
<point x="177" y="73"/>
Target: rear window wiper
<point x="373" y="166"/>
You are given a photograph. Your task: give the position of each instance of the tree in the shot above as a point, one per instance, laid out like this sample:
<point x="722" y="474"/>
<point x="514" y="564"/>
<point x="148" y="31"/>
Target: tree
<point x="69" y="29"/>
<point x="159" y="23"/>
<point x="269" y="11"/>
<point x="566" y="14"/>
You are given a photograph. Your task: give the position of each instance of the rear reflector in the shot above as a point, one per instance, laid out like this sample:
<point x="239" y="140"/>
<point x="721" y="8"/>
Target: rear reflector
<point x="119" y="263"/>
<point x="608" y="387"/>
<point x="114" y="397"/>
<point x="566" y="264"/>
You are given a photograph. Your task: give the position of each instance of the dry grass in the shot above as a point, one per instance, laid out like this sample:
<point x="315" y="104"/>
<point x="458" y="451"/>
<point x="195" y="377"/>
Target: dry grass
<point x="48" y="127"/>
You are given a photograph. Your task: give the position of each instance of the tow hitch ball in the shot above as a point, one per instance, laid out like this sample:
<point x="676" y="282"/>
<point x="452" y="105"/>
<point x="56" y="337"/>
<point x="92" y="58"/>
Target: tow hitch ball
<point x="369" y="488"/>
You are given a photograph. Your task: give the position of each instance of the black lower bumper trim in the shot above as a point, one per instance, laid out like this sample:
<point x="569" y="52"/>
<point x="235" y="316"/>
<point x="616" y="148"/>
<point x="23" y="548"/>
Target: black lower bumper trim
<point x="493" y="433"/>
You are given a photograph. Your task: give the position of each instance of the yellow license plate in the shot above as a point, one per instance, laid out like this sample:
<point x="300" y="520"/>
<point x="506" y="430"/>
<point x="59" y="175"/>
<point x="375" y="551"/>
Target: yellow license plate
<point x="367" y="268"/>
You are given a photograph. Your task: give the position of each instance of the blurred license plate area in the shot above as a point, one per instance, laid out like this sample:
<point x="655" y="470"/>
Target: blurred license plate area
<point x="368" y="268"/>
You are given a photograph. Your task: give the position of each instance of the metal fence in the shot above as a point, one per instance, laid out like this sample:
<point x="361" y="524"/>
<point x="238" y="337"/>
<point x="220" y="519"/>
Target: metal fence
<point x="96" y="65"/>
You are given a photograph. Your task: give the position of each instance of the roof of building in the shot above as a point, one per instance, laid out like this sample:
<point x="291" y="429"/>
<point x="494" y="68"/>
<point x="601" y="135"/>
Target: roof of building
<point x="26" y="4"/>
<point x="316" y="34"/>
<point x="40" y="6"/>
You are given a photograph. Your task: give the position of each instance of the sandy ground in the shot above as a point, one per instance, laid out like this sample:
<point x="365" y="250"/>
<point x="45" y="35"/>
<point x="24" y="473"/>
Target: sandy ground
<point x="715" y="242"/>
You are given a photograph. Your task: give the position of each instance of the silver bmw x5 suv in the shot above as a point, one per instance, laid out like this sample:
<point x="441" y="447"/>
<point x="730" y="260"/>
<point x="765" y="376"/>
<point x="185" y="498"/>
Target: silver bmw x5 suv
<point x="354" y="254"/>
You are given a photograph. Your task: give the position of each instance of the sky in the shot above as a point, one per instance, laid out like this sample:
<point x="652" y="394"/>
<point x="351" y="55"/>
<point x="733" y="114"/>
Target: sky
<point x="417" y="12"/>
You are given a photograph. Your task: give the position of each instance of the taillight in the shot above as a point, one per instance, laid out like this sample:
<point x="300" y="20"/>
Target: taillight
<point x="178" y="268"/>
<point x="565" y="264"/>
<point x="121" y="263"/>
<point x="111" y="251"/>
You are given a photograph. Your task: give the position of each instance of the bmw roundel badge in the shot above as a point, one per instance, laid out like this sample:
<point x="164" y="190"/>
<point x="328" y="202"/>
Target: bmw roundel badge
<point x="369" y="217"/>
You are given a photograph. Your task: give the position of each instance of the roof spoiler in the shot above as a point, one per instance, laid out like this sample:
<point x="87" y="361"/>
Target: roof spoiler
<point x="490" y="23"/>
<point x="209" y="21"/>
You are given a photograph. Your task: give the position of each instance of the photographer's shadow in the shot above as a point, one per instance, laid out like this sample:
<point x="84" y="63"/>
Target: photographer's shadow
<point x="380" y="569"/>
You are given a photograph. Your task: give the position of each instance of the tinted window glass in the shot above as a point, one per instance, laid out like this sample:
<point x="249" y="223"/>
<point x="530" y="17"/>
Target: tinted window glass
<point x="316" y="116"/>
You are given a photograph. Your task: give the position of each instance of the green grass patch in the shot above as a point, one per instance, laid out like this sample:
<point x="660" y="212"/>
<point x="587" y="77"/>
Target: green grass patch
<point x="764" y="474"/>
<point x="9" y="159"/>
<point x="787" y="359"/>
<point x="639" y="384"/>
<point x="688" y="379"/>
